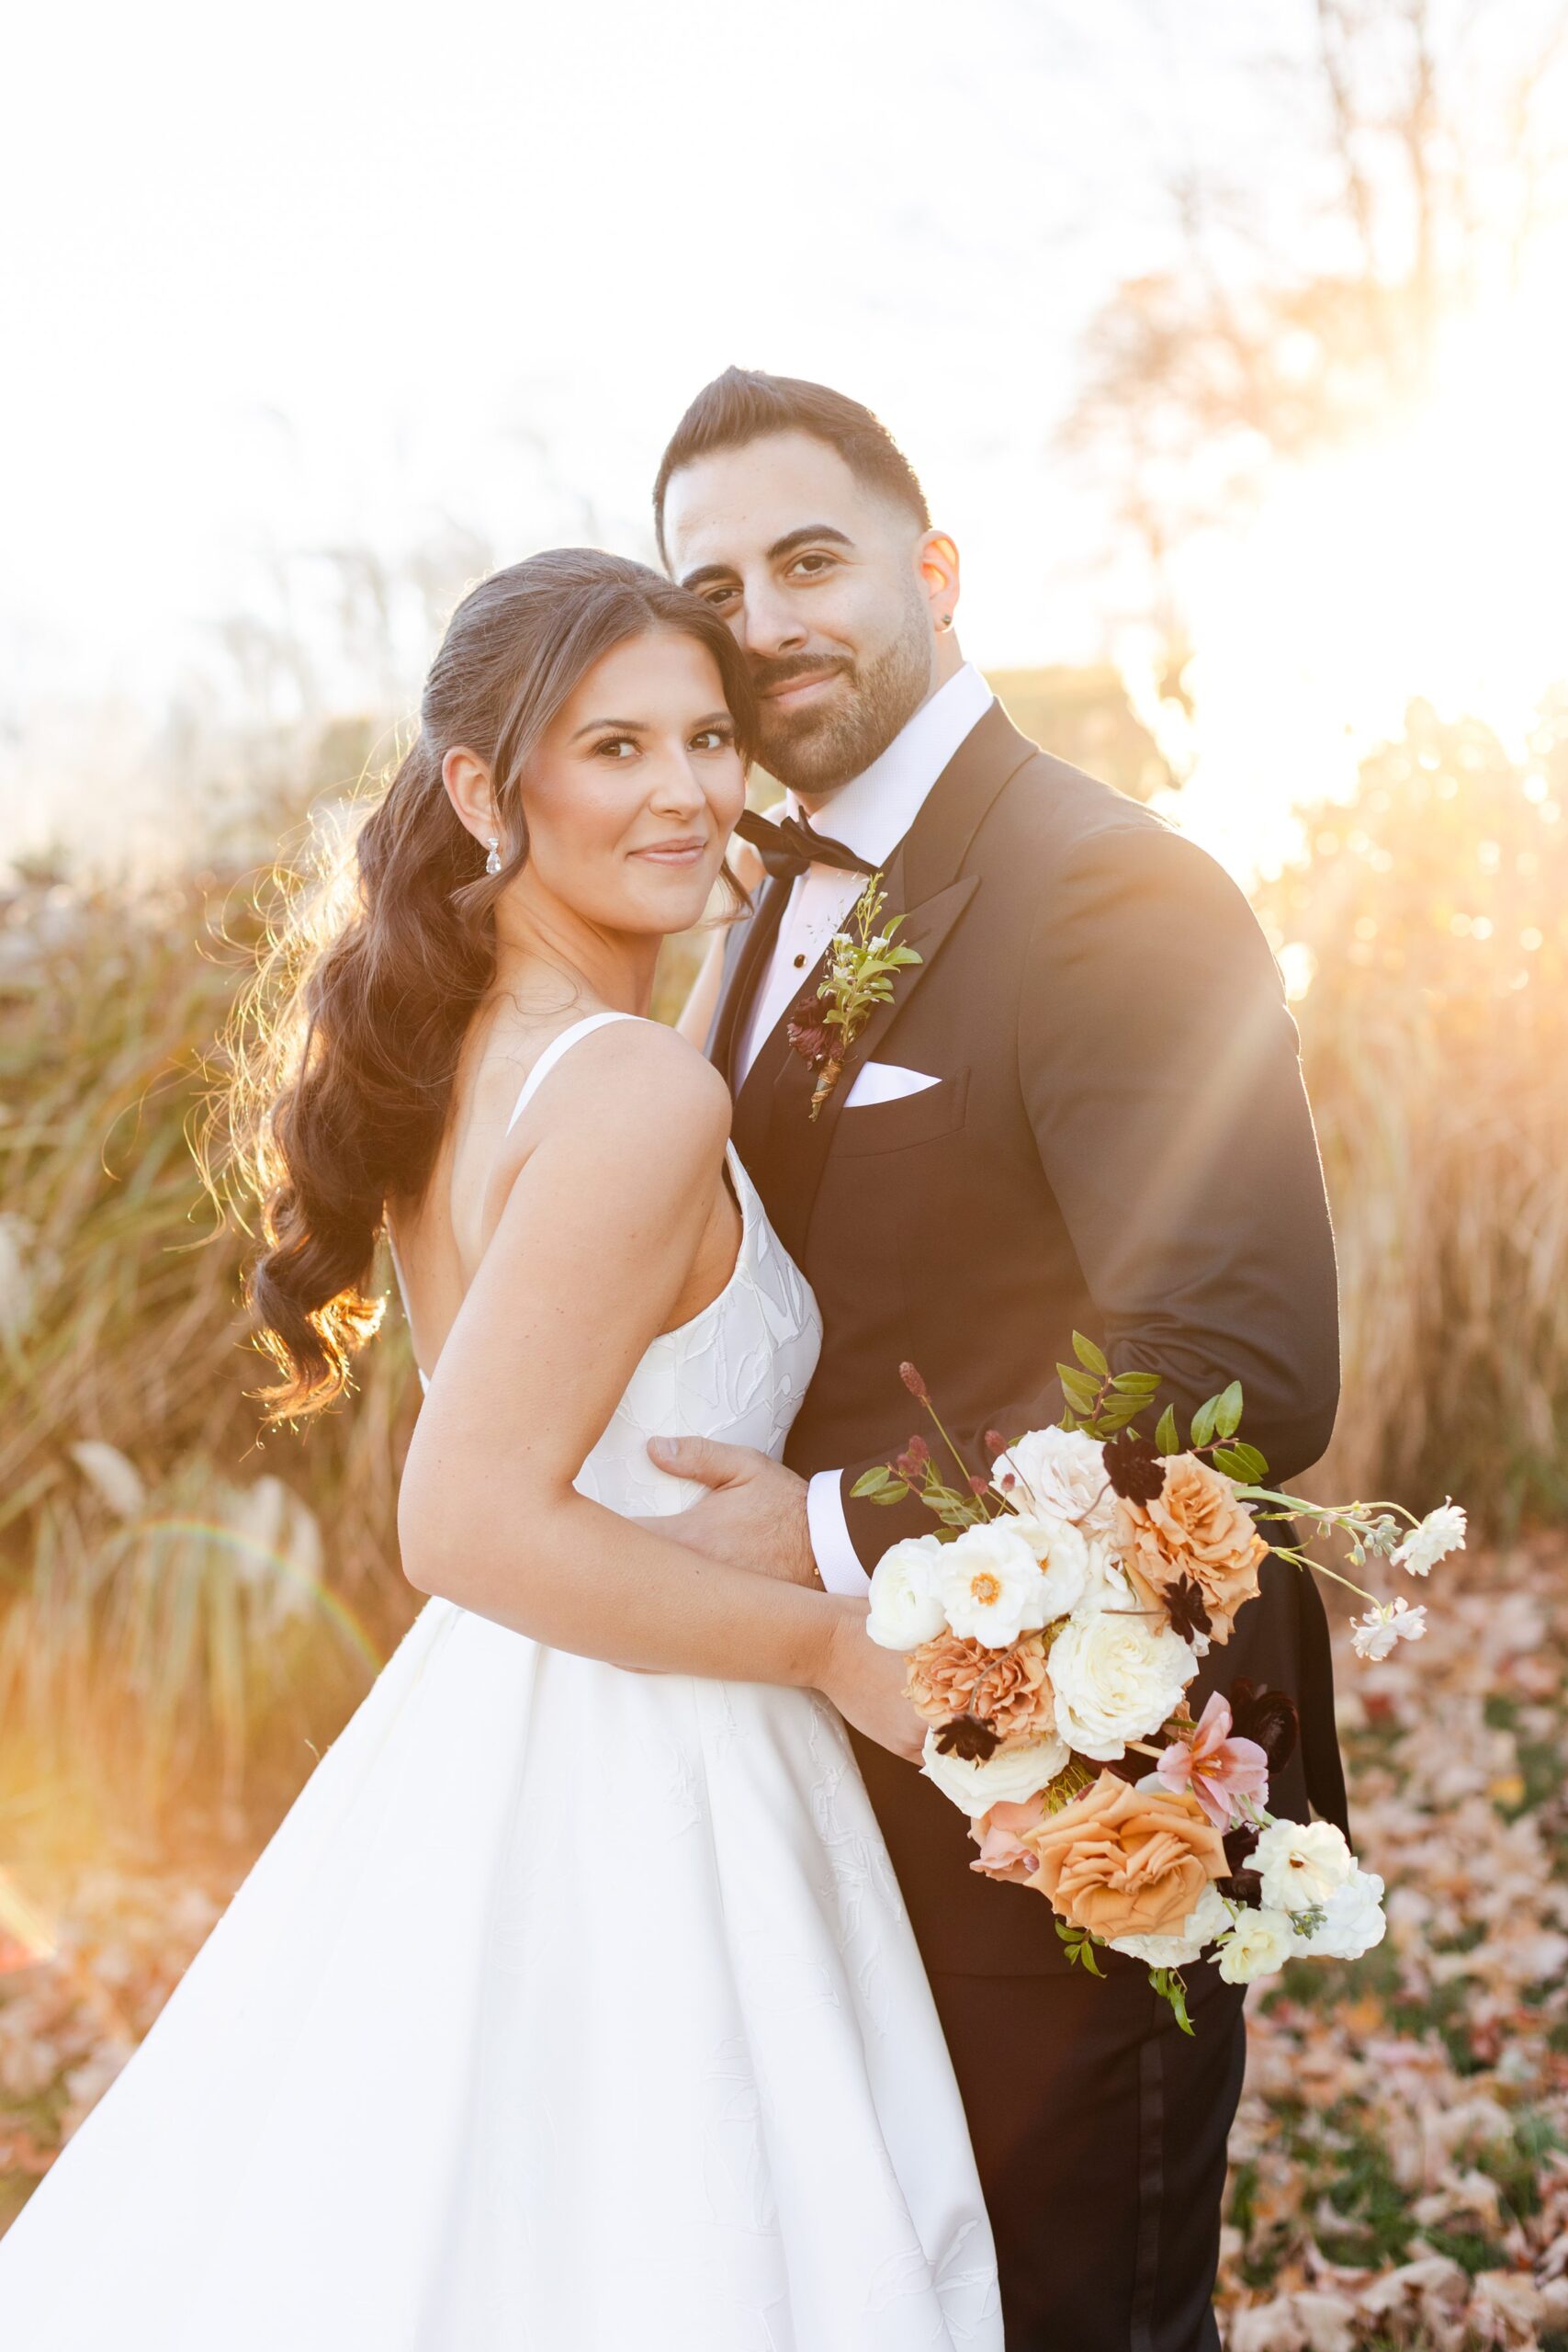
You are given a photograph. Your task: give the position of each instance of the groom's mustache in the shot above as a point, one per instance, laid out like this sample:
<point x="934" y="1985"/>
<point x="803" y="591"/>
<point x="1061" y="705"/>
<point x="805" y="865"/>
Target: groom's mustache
<point x="768" y="676"/>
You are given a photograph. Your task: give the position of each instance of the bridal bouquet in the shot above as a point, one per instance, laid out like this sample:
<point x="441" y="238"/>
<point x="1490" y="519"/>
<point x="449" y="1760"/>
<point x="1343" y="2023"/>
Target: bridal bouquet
<point x="1052" y="1627"/>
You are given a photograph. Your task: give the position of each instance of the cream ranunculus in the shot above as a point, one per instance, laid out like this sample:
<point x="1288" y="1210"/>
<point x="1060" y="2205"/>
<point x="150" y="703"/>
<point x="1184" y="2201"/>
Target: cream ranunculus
<point x="1201" y="1926"/>
<point x="1019" y="1770"/>
<point x="1258" y="1945"/>
<point x="1117" y="1678"/>
<point x="1063" y="1474"/>
<point x="1300" y="1864"/>
<point x="1353" y="1919"/>
<point x="1062" y="1556"/>
<point x="906" y="1596"/>
<point x="991" y="1586"/>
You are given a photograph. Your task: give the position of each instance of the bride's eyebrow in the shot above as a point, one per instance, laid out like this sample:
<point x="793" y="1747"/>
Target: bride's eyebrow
<point x="614" y="726"/>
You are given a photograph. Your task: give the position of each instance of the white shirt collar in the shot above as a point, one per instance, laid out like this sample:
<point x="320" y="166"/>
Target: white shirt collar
<point x="872" y="814"/>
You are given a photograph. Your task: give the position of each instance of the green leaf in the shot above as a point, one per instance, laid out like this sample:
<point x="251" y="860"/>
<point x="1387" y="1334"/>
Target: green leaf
<point x="1167" y="1984"/>
<point x="871" y="1482"/>
<point x="890" y="1494"/>
<point x="1228" y="1460"/>
<point x="1079" y="1388"/>
<point x="1112" y="1418"/>
<point x="1136" y="1383"/>
<point x="1203" y="1422"/>
<point x="1227" y="1411"/>
<point x="1255" y="1466"/>
<point x="1167" y="1439"/>
<point x="1088" y="1355"/>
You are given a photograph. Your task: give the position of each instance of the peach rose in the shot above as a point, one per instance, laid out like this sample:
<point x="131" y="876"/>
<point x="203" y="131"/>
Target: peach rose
<point x="999" y="1835"/>
<point x="1010" y="1689"/>
<point x="1126" y="1862"/>
<point x="1196" y="1528"/>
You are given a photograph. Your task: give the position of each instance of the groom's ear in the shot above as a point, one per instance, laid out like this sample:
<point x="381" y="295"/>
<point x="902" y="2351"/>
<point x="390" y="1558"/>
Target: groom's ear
<point x="938" y="562"/>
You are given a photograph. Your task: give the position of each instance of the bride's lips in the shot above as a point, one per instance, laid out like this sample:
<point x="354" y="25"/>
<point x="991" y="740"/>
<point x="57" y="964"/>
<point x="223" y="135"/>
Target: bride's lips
<point x="690" y="850"/>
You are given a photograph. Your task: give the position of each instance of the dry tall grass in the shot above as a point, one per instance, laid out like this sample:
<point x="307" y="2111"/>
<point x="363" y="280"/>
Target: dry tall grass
<point x="1433" y="915"/>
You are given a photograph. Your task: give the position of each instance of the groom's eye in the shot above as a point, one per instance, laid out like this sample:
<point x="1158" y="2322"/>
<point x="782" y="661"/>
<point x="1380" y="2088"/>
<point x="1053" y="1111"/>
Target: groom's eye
<point x="719" y="599"/>
<point x="810" y="566"/>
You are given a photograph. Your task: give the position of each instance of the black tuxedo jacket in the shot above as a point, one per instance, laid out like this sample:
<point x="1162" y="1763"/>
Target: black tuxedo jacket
<point x="1119" y="1144"/>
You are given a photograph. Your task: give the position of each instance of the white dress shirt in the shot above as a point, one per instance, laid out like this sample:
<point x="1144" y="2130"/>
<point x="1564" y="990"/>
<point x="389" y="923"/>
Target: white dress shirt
<point x="870" y="815"/>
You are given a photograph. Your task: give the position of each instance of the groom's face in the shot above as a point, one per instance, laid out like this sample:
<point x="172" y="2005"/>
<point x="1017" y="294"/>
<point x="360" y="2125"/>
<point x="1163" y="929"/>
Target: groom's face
<point x="820" y="577"/>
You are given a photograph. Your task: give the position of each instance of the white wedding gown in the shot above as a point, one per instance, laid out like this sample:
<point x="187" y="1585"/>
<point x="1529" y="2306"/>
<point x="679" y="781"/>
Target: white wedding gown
<point x="570" y="2010"/>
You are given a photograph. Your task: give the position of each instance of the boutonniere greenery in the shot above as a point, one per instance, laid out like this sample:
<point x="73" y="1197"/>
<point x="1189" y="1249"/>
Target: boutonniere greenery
<point x="864" y="963"/>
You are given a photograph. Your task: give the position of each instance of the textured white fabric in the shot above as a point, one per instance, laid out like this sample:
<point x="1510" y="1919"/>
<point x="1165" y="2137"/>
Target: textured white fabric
<point x="570" y="2010"/>
<point x="870" y="815"/>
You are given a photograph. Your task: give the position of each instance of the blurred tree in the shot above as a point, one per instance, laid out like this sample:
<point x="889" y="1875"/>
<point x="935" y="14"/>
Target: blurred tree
<point x="1436" y="153"/>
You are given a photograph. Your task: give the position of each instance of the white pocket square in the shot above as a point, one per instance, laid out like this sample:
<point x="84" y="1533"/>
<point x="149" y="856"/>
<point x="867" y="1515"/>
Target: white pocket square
<point x="886" y="1082"/>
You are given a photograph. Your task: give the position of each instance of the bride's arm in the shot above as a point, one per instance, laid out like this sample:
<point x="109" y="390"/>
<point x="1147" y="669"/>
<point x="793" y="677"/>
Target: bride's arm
<point x="588" y="1261"/>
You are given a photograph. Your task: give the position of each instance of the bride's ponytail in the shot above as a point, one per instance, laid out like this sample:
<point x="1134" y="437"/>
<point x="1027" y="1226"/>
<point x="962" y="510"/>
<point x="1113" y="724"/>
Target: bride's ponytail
<point x="344" y="1050"/>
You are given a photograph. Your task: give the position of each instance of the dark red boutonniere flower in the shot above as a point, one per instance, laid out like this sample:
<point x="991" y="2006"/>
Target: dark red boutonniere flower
<point x="967" y="1736"/>
<point x="1187" y="1609"/>
<point x="1266" y="1716"/>
<point x="1136" y="1470"/>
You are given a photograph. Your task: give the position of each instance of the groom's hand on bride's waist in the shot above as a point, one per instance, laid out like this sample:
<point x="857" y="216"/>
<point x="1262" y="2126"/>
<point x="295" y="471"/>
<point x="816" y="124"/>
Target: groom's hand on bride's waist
<point x="753" y="1515"/>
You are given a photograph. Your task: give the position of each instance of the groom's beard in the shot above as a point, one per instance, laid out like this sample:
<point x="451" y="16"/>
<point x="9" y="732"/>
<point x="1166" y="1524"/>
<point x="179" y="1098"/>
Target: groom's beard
<point x="817" y="751"/>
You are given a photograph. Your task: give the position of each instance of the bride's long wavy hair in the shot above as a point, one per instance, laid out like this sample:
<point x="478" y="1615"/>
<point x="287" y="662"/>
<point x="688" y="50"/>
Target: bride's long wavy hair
<point x="343" y="1050"/>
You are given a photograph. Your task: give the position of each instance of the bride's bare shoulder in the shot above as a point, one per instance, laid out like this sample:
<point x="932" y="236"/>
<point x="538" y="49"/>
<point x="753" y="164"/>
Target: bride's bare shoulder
<point x="640" y="1085"/>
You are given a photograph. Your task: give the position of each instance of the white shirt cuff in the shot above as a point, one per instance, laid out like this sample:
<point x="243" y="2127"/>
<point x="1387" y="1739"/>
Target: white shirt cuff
<point x="838" y="1562"/>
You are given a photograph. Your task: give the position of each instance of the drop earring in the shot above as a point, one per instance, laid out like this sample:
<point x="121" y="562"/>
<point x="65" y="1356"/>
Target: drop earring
<point x="493" y="862"/>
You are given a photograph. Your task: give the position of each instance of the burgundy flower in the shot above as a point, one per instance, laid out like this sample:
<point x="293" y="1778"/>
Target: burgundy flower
<point x="967" y="1736"/>
<point x="1185" y="1607"/>
<point x="914" y="1383"/>
<point x="809" y="1038"/>
<point x="1242" y="1886"/>
<point x="995" y="1441"/>
<point x="1136" y="1470"/>
<point x="1266" y="1716"/>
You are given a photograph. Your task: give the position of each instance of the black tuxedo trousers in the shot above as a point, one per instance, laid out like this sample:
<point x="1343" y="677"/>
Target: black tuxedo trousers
<point x="1117" y="1142"/>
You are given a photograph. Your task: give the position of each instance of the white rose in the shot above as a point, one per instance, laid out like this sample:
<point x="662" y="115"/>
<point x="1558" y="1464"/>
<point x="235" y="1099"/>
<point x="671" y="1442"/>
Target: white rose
<point x="1353" y="1919"/>
<point x="1210" y="1919"/>
<point x="1300" y="1864"/>
<point x="991" y="1586"/>
<point x="1063" y="1474"/>
<point x="1062" y="1556"/>
<point x="1116" y="1678"/>
<point x="906" y="1598"/>
<point x="1258" y="1945"/>
<point x="1106" y="1585"/>
<point x="1015" y="1773"/>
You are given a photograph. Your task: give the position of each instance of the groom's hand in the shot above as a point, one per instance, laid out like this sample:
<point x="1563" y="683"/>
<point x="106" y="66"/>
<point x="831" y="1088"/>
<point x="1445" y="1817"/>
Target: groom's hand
<point x="753" y="1515"/>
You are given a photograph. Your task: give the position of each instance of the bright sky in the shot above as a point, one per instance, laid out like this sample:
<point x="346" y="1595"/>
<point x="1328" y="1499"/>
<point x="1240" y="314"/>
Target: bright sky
<point x="328" y="275"/>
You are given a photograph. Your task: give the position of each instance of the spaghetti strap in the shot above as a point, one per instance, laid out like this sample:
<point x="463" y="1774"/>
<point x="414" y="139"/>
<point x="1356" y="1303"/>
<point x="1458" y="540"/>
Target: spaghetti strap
<point x="553" y="1053"/>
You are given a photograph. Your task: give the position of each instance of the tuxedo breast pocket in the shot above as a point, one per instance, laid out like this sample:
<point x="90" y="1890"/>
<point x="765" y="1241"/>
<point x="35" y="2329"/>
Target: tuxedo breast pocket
<point x="892" y="1113"/>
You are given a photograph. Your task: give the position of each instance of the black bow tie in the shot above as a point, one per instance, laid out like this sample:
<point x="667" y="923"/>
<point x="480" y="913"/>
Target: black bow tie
<point x="790" y="846"/>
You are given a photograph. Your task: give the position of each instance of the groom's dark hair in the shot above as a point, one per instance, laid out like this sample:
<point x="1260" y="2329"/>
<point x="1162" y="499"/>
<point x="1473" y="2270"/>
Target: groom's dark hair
<point x="744" y="404"/>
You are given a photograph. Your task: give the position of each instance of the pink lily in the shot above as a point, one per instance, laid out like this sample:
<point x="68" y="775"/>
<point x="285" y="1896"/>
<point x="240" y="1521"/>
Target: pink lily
<point x="1219" y="1770"/>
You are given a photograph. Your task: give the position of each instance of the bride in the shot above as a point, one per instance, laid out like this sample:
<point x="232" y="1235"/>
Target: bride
<point x="573" y="2005"/>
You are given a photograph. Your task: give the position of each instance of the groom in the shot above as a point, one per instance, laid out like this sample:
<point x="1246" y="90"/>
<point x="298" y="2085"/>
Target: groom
<point x="1082" y="1110"/>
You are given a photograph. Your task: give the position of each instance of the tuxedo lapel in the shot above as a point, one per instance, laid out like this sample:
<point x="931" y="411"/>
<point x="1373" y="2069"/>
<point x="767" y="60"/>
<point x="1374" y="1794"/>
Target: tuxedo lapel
<point x="742" y="973"/>
<point x="782" y="1145"/>
<point x="796" y="1147"/>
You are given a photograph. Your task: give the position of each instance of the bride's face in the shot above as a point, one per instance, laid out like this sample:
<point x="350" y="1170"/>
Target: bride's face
<point x="631" y="795"/>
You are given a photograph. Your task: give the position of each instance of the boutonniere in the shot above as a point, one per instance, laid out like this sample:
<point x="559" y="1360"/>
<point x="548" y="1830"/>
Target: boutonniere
<point x="863" y="964"/>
